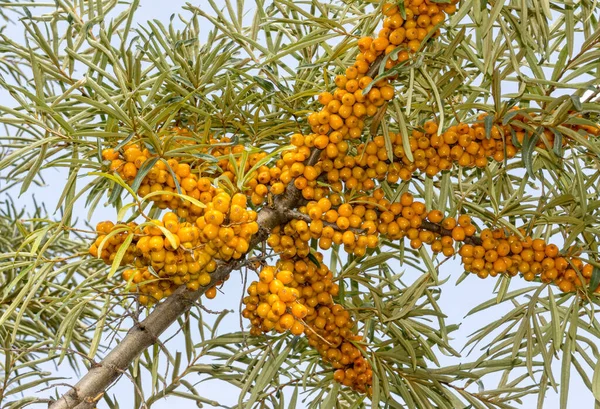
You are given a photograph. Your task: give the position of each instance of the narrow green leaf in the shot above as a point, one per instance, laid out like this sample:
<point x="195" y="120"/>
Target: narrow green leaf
<point x="119" y="256"/>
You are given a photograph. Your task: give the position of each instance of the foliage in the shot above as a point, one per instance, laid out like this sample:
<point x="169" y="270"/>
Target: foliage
<point x="85" y="76"/>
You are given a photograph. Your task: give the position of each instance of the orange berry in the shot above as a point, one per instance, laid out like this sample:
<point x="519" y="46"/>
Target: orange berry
<point x="299" y="311"/>
<point x="551" y="250"/>
<point x="435" y="216"/>
<point x="458" y="233"/>
<point x="211" y="293"/>
<point x="287" y="321"/>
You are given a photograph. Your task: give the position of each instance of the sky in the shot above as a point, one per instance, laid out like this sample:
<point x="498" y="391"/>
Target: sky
<point x="456" y="301"/>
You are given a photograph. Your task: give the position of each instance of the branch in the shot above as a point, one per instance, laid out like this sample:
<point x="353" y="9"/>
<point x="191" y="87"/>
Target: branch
<point x="92" y="385"/>
<point x="295" y="214"/>
<point x="436" y="228"/>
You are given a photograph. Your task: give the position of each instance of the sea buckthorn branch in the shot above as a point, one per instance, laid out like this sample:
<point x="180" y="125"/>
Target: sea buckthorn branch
<point x="493" y="252"/>
<point x="182" y="299"/>
<point x="306" y="306"/>
<point x="146" y="333"/>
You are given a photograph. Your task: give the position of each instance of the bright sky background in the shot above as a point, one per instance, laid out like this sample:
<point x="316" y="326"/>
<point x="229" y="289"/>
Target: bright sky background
<point x="456" y="301"/>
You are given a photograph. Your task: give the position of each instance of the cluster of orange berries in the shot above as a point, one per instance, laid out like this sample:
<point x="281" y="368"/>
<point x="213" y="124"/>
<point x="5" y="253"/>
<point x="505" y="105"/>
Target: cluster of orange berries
<point x="462" y="144"/>
<point x="493" y="252"/>
<point x="296" y="296"/>
<point x="401" y="36"/>
<point x="355" y="224"/>
<point x="179" y="253"/>
<point x="272" y="304"/>
<point x="358" y="224"/>
<point x="291" y="239"/>
<point x="496" y="253"/>
<point x="350" y="169"/>
<point x="109" y="240"/>
<point x="356" y="98"/>
<point x="466" y="145"/>
<point x="172" y="178"/>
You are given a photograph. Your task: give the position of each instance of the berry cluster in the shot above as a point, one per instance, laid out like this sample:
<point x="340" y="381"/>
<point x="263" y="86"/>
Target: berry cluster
<point x="493" y="252"/>
<point x="465" y="145"/>
<point x="297" y="296"/>
<point x="357" y="225"/>
<point x="356" y="97"/>
<point x="176" y="179"/>
<point x="168" y="253"/>
<point x="109" y="240"/>
<point x="498" y="253"/>
<point x="401" y="36"/>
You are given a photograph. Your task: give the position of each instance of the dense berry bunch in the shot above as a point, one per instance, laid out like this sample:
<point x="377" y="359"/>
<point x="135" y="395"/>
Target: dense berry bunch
<point x="297" y="296"/>
<point x="110" y="238"/>
<point x="356" y="97"/>
<point x="493" y="252"/>
<point x="180" y="253"/>
<point x="403" y="33"/>
<point x="357" y="225"/>
<point x="498" y="253"/>
<point x="469" y="145"/>
<point x="169" y="179"/>
<point x="431" y="151"/>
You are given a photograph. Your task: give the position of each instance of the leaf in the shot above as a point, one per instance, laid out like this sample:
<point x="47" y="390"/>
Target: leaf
<point x="568" y="348"/>
<point x="32" y="384"/>
<point x="529" y="143"/>
<point x="314" y="259"/>
<point x="181" y="196"/>
<point x="268" y="372"/>
<point x="387" y="141"/>
<point x="509" y="296"/>
<point x="504" y="283"/>
<point x="267" y="85"/>
<point x="119" y="256"/>
<point x="332" y="397"/>
<point x="428" y="263"/>
<point x="559" y="66"/>
<point x="117" y="179"/>
<point x="576" y="102"/>
<point x="142" y="172"/>
<point x="555" y="319"/>
<point x="434" y="89"/>
<point x="488" y="122"/>
<point x="596" y="382"/>
<point x="124" y="209"/>
<point x="403" y="131"/>
<point x="595" y="279"/>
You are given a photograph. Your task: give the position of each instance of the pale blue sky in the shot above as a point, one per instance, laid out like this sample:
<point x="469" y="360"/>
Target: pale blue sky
<point x="456" y="301"/>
